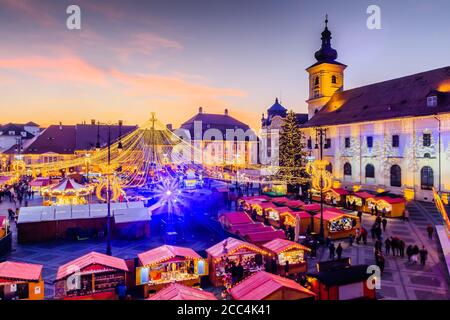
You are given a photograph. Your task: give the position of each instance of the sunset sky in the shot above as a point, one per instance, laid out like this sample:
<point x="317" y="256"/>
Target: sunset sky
<point x="173" y="56"/>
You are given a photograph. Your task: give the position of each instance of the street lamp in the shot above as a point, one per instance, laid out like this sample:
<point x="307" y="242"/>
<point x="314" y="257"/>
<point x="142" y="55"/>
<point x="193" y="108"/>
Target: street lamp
<point x="108" y="174"/>
<point x="321" y="136"/>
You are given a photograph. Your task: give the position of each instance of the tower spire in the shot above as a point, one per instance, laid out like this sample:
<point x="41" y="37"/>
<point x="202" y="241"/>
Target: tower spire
<point x="326" y="52"/>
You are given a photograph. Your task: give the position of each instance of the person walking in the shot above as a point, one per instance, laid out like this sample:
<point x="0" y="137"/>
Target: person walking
<point x="406" y="215"/>
<point x="350" y="240"/>
<point x="409" y="252"/>
<point x="381" y="262"/>
<point x="360" y="216"/>
<point x="332" y="249"/>
<point x="394" y="246"/>
<point x="401" y="248"/>
<point x="384" y="224"/>
<point x="430" y="231"/>
<point x="286" y="268"/>
<point x="387" y="245"/>
<point x="339" y="250"/>
<point x="358" y="235"/>
<point x="423" y="255"/>
<point x="415" y="256"/>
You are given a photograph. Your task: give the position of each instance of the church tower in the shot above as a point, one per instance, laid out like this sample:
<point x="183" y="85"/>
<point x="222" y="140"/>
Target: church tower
<point x="326" y="76"/>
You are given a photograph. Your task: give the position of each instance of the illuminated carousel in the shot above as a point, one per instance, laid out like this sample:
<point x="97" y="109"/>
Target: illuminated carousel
<point x="67" y="192"/>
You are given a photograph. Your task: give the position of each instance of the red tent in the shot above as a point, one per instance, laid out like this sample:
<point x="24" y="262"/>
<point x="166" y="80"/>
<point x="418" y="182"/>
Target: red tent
<point x="91" y="260"/>
<point x="177" y="291"/>
<point x="165" y="253"/>
<point x="267" y="286"/>
<point x="20" y="271"/>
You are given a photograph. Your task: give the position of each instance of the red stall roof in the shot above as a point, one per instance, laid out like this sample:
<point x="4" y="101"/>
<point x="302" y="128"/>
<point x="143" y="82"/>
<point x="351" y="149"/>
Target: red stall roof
<point x="236" y="218"/>
<point x="232" y="244"/>
<point x="301" y="214"/>
<point x="391" y="200"/>
<point x="264" y="236"/>
<point x="166" y="252"/>
<point x="177" y="291"/>
<point x="279" y="245"/>
<point x="266" y="205"/>
<point x="93" y="258"/>
<point x="40" y="182"/>
<point x="312" y="207"/>
<point x="280" y="200"/>
<point x="262" y="228"/>
<point x="364" y="195"/>
<point x="330" y="215"/>
<point x="282" y="209"/>
<point x="263" y="284"/>
<point x="20" y="271"/>
<point x="340" y="191"/>
<point x="295" y="204"/>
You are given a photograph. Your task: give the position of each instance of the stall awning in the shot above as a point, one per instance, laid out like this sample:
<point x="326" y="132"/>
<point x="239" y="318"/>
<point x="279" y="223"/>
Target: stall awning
<point x="265" y="236"/>
<point x="363" y="195"/>
<point x="166" y="252"/>
<point x="262" y="284"/>
<point x="231" y="245"/>
<point x="260" y="228"/>
<point x="340" y="191"/>
<point x="177" y="291"/>
<point x="93" y="258"/>
<point x="235" y="218"/>
<point x="279" y="245"/>
<point x="20" y="271"/>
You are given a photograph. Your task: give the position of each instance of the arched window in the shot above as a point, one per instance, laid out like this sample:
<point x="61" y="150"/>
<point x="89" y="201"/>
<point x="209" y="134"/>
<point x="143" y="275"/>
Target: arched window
<point x="333" y="79"/>
<point x="396" y="176"/>
<point x="316" y="81"/>
<point x="370" y="171"/>
<point x="347" y="169"/>
<point x="329" y="167"/>
<point x="426" y="178"/>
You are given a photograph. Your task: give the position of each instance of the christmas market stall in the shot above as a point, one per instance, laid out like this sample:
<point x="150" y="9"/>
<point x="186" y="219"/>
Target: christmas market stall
<point x="93" y="276"/>
<point x="261" y="237"/>
<point x="67" y="192"/>
<point x="223" y="255"/>
<point x="274" y="215"/>
<point x="230" y="220"/>
<point x="176" y="291"/>
<point x="337" y="225"/>
<point x="39" y="183"/>
<point x="336" y="197"/>
<point x="21" y="281"/>
<point x="267" y="286"/>
<point x="288" y="252"/>
<point x="313" y="208"/>
<point x="290" y="219"/>
<point x="259" y="212"/>
<point x="280" y="201"/>
<point x="167" y="264"/>
<point x="387" y="206"/>
<point x="358" y="201"/>
<point x="344" y="282"/>
<point x="295" y="204"/>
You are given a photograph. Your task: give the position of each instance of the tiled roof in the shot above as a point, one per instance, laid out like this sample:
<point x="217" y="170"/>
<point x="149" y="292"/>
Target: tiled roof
<point x="16" y="128"/>
<point x="56" y="138"/>
<point x="397" y="98"/>
<point x="86" y="135"/>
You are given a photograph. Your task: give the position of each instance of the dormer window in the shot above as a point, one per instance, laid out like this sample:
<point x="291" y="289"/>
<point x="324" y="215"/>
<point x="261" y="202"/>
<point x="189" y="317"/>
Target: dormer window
<point x="432" y="101"/>
<point x="333" y="79"/>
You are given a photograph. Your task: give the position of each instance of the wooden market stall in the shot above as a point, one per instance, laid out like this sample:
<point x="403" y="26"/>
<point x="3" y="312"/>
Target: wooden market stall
<point x="21" y="281"/>
<point x="260" y="210"/>
<point x="176" y="291"/>
<point x="280" y="201"/>
<point x="337" y="225"/>
<point x="295" y="204"/>
<point x="246" y="202"/>
<point x="358" y="201"/>
<point x="93" y="276"/>
<point x="267" y="286"/>
<point x="231" y="251"/>
<point x="39" y="183"/>
<point x="167" y="264"/>
<point x="228" y="220"/>
<point x="348" y="283"/>
<point x="274" y="215"/>
<point x="292" y="252"/>
<point x="393" y="207"/>
<point x="5" y="236"/>
<point x="289" y="220"/>
<point x="312" y="208"/>
<point x="336" y="196"/>
<point x="261" y="237"/>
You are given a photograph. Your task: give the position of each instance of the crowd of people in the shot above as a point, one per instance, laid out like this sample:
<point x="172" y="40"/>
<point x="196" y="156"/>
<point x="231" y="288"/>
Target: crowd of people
<point x="18" y="195"/>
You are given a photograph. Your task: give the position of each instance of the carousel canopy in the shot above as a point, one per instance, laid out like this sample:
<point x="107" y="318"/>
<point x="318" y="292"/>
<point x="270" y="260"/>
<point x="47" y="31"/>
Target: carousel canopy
<point x="177" y="291"/>
<point x="279" y="245"/>
<point x="68" y="185"/>
<point x="165" y="253"/>
<point x="20" y="271"/>
<point x="261" y="285"/>
<point x="230" y="245"/>
<point x="93" y="258"/>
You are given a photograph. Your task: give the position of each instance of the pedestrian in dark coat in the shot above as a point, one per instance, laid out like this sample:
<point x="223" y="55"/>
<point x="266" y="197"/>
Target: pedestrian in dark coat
<point x="430" y="231"/>
<point x="401" y="248"/>
<point x="423" y="255"/>
<point x="384" y="224"/>
<point x="332" y="249"/>
<point x="387" y="245"/>
<point x="339" y="250"/>
<point x="409" y="252"/>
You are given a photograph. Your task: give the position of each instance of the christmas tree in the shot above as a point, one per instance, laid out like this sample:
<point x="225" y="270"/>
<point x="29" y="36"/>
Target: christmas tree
<point x="292" y="154"/>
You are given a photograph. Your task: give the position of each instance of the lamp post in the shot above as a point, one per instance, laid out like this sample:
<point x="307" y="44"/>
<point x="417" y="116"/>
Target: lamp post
<point x="108" y="174"/>
<point x="321" y="136"/>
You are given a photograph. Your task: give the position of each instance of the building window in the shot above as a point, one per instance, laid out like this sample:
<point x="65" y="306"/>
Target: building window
<point x="370" y="171"/>
<point x="316" y="81"/>
<point x="333" y="79"/>
<point x="347" y="169"/>
<point x="309" y="143"/>
<point x="432" y="101"/>
<point x="316" y="94"/>
<point x="426" y="139"/>
<point x="369" y="142"/>
<point x="395" y="141"/>
<point x="327" y="143"/>
<point x="427" y="155"/>
<point x="347" y="142"/>
<point x="396" y="176"/>
<point x="426" y="178"/>
<point x="329" y="167"/>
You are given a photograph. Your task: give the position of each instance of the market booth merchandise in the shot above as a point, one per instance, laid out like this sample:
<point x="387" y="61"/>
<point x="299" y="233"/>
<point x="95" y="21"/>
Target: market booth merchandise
<point x="246" y="202"/>
<point x="274" y="215"/>
<point x="290" y="219"/>
<point x="292" y="252"/>
<point x="167" y="264"/>
<point x="393" y="207"/>
<point x="231" y="251"/>
<point x="21" y="281"/>
<point x="93" y="276"/>
<point x="337" y="225"/>
<point x="176" y="291"/>
<point x="267" y="286"/>
<point x="346" y="283"/>
<point x="261" y="208"/>
<point x="336" y="196"/>
<point x="359" y="200"/>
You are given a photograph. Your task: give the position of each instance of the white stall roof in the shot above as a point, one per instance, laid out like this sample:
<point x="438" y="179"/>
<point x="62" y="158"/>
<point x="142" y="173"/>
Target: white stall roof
<point x="62" y="212"/>
<point x="135" y="204"/>
<point x="132" y="215"/>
